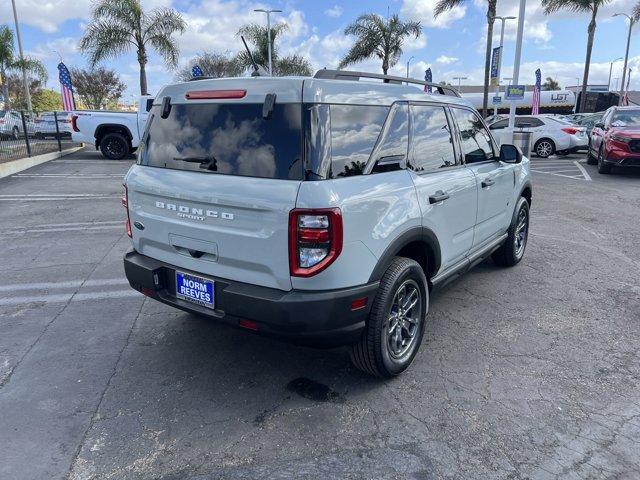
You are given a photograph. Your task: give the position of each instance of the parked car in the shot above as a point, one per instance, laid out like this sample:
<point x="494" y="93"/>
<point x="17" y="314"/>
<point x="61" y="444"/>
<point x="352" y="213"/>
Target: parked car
<point x="615" y="139"/>
<point x="319" y="210"/>
<point x="45" y="124"/>
<point x="588" y="121"/>
<point x="116" y="134"/>
<point x="11" y="124"/>
<point x="550" y="134"/>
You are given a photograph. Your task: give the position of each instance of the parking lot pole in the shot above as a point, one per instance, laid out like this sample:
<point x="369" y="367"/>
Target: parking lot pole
<point x="55" y="116"/>
<point x="26" y="134"/>
<point x="516" y="61"/>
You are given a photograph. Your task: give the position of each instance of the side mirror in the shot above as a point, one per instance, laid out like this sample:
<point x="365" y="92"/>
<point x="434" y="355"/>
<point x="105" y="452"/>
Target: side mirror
<point x="510" y="154"/>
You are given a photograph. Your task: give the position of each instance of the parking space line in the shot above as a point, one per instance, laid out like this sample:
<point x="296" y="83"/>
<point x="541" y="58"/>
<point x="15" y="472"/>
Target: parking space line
<point x="51" y="198"/>
<point x="62" y="229"/>
<point x="69" y="175"/>
<point x="583" y="170"/>
<point x="66" y="297"/>
<point x="66" y="284"/>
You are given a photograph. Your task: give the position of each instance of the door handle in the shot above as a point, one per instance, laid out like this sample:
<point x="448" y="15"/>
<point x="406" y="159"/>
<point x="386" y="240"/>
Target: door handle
<point x="487" y="182"/>
<point x="439" y="196"/>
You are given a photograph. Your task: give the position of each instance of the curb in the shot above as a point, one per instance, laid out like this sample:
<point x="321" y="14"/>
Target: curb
<point x="15" y="166"/>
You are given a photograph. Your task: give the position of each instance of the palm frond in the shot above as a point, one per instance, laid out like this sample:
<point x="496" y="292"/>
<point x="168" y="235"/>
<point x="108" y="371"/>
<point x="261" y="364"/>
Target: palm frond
<point x="635" y="13"/>
<point x="127" y="13"/>
<point x="167" y="47"/>
<point x="446" y="5"/>
<point x="163" y="22"/>
<point x="577" y="6"/>
<point x="359" y="52"/>
<point x="105" y="39"/>
<point x="292" y="65"/>
<point x="7" y="45"/>
<point x="32" y="66"/>
<point x="257" y="35"/>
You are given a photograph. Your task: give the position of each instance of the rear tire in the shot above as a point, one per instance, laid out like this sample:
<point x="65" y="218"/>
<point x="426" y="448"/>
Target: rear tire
<point x="114" y="146"/>
<point x="602" y="167"/>
<point x="15" y="133"/>
<point x="396" y="322"/>
<point x="512" y="250"/>
<point x="544" y="148"/>
<point x="591" y="160"/>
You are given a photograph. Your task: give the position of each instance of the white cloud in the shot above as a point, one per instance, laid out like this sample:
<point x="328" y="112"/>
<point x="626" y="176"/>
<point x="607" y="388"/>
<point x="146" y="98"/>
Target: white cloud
<point x="422" y="10"/>
<point x="46" y="15"/>
<point x="335" y="11"/>
<point x="446" y="60"/>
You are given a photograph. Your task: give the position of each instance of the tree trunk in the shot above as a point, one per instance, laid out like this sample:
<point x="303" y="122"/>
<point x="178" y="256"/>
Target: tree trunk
<point x="142" y="60"/>
<point x="5" y="88"/>
<point x="587" y="63"/>
<point x="491" y="16"/>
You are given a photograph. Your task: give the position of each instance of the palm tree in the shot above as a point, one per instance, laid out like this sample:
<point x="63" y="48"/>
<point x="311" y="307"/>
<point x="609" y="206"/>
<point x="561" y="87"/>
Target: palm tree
<point x="119" y="25"/>
<point x="213" y="64"/>
<point x="257" y="35"/>
<point x="579" y="6"/>
<point x="550" y="84"/>
<point x="444" y="5"/>
<point x="380" y="38"/>
<point x="9" y="63"/>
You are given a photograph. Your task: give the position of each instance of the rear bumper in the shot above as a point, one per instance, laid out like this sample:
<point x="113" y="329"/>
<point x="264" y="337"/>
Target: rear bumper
<point x="318" y="318"/>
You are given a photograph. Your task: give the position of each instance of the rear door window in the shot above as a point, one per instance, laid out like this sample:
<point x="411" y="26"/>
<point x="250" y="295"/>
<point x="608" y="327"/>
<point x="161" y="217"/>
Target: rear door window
<point x="476" y="142"/>
<point x="431" y="141"/>
<point x="229" y="139"/>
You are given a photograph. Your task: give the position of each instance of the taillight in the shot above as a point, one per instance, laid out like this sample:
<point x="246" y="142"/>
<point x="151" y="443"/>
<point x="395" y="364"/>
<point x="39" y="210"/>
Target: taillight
<point x="570" y="130"/>
<point x="125" y="204"/>
<point x="74" y="123"/>
<point x="315" y="240"/>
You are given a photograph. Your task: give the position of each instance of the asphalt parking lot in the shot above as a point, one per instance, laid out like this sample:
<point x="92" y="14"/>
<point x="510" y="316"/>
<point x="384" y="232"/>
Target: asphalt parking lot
<point x="531" y="372"/>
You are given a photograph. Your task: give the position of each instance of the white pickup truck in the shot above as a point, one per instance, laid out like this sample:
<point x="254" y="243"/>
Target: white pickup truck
<point x="116" y="134"/>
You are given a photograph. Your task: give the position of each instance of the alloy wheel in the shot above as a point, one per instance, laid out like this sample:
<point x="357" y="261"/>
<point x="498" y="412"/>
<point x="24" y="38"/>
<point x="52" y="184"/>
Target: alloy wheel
<point x="522" y="227"/>
<point x="544" y="148"/>
<point x="404" y="319"/>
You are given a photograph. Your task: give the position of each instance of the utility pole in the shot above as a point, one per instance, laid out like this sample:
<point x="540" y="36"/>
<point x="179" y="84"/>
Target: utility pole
<point x="27" y="95"/>
<point x="268" y="12"/>
<point x="626" y="55"/>
<point x="610" y="69"/>
<point x="502" y="20"/>
<point x="408" y="62"/>
<point x="516" y="60"/>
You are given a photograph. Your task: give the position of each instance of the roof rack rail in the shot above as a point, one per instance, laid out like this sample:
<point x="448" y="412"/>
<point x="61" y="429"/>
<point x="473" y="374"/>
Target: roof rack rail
<point x="194" y="79"/>
<point x="349" y="75"/>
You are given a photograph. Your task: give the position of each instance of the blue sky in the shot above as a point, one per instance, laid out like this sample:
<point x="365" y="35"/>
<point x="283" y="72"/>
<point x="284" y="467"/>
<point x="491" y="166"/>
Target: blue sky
<point x="452" y="45"/>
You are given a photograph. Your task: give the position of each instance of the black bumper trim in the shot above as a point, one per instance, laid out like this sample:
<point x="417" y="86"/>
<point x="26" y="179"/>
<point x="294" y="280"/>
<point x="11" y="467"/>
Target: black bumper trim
<point x="320" y="318"/>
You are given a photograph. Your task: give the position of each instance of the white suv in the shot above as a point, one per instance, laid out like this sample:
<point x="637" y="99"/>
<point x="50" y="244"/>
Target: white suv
<point x="318" y="209"/>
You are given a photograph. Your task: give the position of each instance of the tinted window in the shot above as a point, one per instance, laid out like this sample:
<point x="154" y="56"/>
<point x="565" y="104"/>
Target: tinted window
<point x="231" y="139"/>
<point x="524" y="122"/>
<point x="477" y="145"/>
<point x="354" y="131"/>
<point x="499" y="125"/>
<point x="394" y="141"/>
<point x="625" y="118"/>
<point x="431" y="143"/>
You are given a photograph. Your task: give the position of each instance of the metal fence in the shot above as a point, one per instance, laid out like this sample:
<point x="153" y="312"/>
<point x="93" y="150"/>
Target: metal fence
<point x="26" y="134"/>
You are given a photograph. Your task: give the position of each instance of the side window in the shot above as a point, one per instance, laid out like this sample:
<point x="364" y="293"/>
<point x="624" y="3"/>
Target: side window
<point x="354" y="131"/>
<point x="499" y="125"/>
<point x="391" y="149"/>
<point x="431" y="141"/>
<point x="477" y="145"/>
<point x="528" y="122"/>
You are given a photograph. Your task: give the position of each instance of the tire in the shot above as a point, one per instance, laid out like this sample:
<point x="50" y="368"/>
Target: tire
<point x="114" y="146"/>
<point x="544" y="148"/>
<point x="15" y="133"/>
<point x="380" y="352"/>
<point x="591" y="160"/>
<point x="602" y="167"/>
<point x="512" y="250"/>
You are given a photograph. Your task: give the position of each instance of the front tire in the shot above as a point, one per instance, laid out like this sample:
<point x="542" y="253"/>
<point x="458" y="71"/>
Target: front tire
<point x="602" y="167"/>
<point x="114" y="146"/>
<point x="512" y="250"/>
<point x="396" y="322"/>
<point x="544" y="148"/>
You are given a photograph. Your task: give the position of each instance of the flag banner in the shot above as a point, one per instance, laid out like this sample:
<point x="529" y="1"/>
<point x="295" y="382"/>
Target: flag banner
<point x="428" y="77"/>
<point x="66" y="88"/>
<point x="196" y="71"/>
<point x="535" y="103"/>
<point x="495" y="61"/>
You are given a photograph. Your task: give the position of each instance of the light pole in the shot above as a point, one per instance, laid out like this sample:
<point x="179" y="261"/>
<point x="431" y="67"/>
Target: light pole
<point x="459" y="80"/>
<point x="611" y="68"/>
<point x="268" y="12"/>
<point x="499" y="66"/>
<point x="516" y="60"/>
<point x="27" y="95"/>
<point x="626" y="55"/>
<point x="408" y="62"/>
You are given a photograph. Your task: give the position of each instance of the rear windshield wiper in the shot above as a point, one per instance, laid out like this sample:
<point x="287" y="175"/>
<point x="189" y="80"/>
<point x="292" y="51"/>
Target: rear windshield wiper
<point x="206" y="163"/>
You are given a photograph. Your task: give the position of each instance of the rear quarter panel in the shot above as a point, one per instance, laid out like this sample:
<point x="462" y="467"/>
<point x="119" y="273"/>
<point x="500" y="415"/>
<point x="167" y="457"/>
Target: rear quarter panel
<point x="376" y="209"/>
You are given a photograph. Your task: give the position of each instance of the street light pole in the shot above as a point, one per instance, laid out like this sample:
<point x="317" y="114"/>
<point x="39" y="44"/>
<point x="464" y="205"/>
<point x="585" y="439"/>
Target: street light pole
<point x="27" y="95"/>
<point x="268" y="12"/>
<point x="459" y="80"/>
<point x="610" y="69"/>
<point x="499" y="66"/>
<point x="408" y="62"/>
<point x="626" y="55"/>
<point x="516" y="60"/>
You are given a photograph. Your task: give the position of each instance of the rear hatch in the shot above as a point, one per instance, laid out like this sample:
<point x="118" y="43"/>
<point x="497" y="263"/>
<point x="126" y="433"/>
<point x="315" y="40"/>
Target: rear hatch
<point x="215" y="180"/>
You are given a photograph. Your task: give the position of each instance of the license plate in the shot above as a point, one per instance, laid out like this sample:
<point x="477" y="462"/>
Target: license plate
<point x="195" y="289"/>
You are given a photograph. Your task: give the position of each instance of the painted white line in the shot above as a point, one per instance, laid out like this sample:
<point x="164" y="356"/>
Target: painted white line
<point x="77" y="224"/>
<point x="71" y="175"/>
<point x="570" y="170"/>
<point x="66" y="284"/>
<point x="562" y="175"/>
<point x="65" y="229"/>
<point x="65" y="297"/>
<point x="56" y="199"/>
<point x="584" y="172"/>
<point x="49" y="195"/>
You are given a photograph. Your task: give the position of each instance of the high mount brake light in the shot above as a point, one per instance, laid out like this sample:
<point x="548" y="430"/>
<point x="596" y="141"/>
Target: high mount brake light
<point x="125" y="204"/>
<point x="215" y="94"/>
<point x="315" y="240"/>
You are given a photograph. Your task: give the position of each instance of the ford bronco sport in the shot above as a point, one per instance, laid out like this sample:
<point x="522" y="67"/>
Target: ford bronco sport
<point x="322" y="210"/>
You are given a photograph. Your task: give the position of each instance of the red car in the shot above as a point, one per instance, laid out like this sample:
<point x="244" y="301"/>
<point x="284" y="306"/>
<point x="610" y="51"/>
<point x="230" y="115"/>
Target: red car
<point x="615" y="140"/>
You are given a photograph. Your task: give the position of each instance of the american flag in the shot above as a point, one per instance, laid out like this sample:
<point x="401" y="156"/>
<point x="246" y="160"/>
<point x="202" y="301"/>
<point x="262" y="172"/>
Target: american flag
<point x="428" y="77"/>
<point x="68" y="102"/>
<point x="196" y="71"/>
<point x="535" y="108"/>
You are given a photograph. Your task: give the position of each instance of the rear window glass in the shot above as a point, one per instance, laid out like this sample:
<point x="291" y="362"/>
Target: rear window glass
<point x="230" y="139"/>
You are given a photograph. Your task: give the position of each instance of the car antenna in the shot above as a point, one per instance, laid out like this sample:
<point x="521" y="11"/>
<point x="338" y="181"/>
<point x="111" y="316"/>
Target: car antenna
<point x="255" y="72"/>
